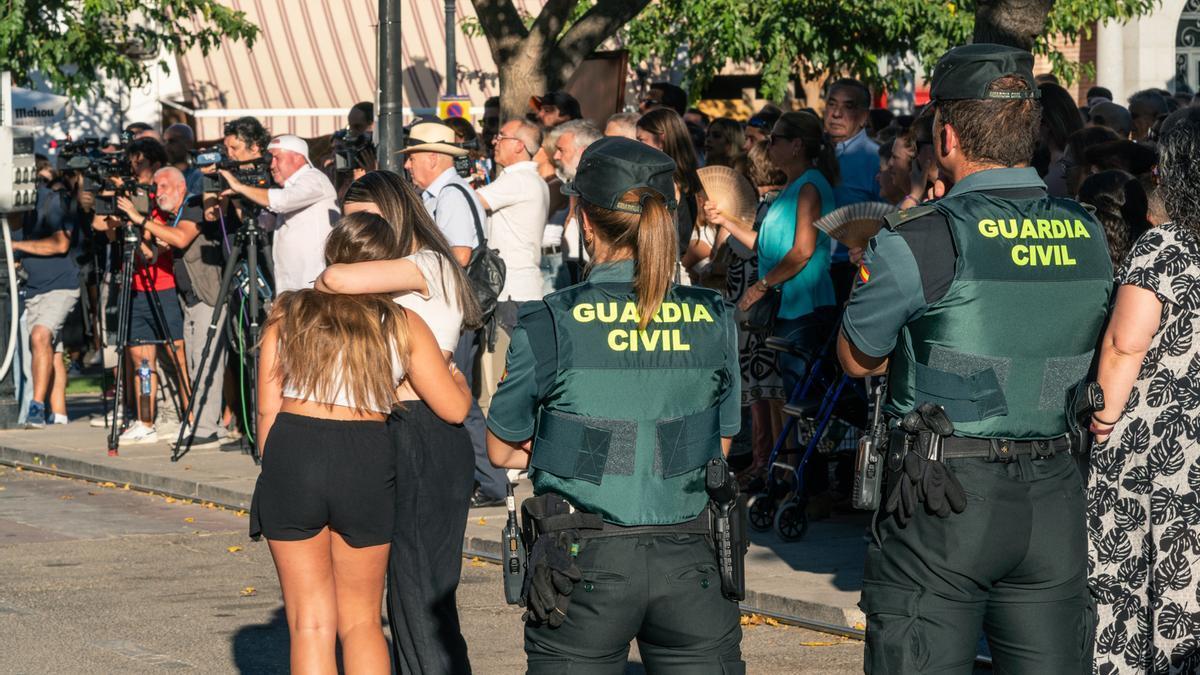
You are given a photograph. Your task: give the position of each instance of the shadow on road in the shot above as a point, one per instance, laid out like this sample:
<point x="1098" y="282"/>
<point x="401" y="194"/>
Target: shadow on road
<point x="262" y="648"/>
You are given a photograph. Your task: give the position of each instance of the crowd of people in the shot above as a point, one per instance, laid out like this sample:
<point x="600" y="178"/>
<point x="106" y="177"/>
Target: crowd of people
<point x="377" y="344"/>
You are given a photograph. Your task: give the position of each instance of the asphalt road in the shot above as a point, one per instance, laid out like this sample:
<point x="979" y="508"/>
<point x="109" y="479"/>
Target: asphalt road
<point x="99" y="579"/>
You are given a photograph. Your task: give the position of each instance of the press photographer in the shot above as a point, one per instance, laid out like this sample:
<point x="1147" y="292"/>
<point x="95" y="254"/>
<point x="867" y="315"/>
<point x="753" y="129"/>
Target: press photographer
<point x="197" y="256"/>
<point x="51" y="290"/>
<point x="154" y="313"/>
<point x="301" y="212"/>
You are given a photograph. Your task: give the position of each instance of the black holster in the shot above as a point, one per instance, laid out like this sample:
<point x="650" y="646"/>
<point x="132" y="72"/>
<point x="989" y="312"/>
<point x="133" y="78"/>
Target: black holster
<point x="730" y="531"/>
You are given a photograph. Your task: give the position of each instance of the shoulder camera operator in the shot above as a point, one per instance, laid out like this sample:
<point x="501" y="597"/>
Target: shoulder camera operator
<point x="301" y="212"/>
<point x="153" y="281"/>
<point x="245" y="140"/>
<point x="51" y="290"/>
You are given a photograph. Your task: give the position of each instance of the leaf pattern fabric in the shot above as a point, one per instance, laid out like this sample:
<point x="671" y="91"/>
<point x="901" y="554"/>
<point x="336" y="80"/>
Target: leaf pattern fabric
<point x="1144" y="482"/>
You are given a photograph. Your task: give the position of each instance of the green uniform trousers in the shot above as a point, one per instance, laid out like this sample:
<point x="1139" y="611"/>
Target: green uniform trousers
<point x="662" y="590"/>
<point x="1013" y="564"/>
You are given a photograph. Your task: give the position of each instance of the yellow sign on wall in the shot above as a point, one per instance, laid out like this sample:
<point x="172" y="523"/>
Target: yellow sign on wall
<point x="458" y="106"/>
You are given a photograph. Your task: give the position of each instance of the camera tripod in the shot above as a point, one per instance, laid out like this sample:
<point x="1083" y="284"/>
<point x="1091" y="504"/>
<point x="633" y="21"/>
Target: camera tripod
<point x="131" y="241"/>
<point x="249" y="244"/>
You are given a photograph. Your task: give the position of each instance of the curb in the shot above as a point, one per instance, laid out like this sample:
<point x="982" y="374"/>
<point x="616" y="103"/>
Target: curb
<point x="841" y="620"/>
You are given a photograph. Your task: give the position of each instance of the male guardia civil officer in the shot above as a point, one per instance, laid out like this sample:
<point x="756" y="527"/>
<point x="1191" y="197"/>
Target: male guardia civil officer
<point x="984" y="308"/>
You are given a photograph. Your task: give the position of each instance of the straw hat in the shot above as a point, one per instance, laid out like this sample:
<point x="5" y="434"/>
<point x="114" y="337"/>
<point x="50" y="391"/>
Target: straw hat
<point x="432" y="137"/>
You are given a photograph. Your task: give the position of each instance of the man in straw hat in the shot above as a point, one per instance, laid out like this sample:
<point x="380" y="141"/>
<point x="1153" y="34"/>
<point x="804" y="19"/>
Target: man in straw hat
<point x="985" y="317"/>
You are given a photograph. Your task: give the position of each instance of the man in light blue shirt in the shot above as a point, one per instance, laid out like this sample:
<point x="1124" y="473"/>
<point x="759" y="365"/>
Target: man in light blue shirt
<point x="430" y="161"/>
<point x="847" y="110"/>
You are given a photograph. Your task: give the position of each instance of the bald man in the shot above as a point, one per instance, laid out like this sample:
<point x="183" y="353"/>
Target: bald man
<point x="197" y="246"/>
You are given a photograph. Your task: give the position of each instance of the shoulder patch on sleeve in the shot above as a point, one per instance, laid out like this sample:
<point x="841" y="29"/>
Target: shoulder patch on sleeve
<point x="894" y="221"/>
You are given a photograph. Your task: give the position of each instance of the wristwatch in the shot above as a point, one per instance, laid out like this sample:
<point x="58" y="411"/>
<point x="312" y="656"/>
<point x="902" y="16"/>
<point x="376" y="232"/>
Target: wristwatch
<point x="762" y="285"/>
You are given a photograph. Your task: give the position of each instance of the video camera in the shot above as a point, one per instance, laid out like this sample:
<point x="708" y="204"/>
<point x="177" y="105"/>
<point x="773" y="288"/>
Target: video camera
<point x="346" y="146"/>
<point x="465" y="165"/>
<point x="87" y="156"/>
<point x="254" y="172"/>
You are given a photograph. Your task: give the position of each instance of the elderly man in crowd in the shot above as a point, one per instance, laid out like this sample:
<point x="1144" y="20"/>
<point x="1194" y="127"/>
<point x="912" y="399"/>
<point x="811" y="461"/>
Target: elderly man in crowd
<point x="847" y="111"/>
<point x="301" y="212"/>
<point x="195" y="244"/>
<point x="573" y="138"/>
<point x="518" y="202"/>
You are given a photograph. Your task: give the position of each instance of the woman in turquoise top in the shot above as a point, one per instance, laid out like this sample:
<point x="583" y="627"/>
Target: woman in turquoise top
<point x="793" y="255"/>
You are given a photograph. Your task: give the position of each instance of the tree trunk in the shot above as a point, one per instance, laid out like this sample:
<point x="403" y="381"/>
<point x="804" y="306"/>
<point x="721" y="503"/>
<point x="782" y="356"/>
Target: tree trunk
<point x="520" y="78"/>
<point x="1016" y="23"/>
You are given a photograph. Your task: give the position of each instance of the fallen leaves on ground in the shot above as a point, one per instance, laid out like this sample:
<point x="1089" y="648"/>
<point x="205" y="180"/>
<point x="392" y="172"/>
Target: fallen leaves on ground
<point x="476" y="562"/>
<point x="124" y="488"/>
<point x="241" y="513"/>
<point x="92" y="494"/>
<point x="171" y="500"/>
<point x="189" y="519"/>
<point x="759" y="620"/>
<point x="482" y="521"/>
<point x="110" y="484"/>
<point x="248" y="591"/>
<point x="233" y="549"/>
<point x="66" y="496"/>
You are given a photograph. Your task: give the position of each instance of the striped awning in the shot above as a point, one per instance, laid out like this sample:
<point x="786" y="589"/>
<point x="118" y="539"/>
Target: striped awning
<point x="316" y="58"/>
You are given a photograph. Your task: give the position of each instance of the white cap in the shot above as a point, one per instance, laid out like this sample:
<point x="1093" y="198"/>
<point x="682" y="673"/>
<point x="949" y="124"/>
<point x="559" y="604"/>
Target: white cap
<point x="291" y="143"/>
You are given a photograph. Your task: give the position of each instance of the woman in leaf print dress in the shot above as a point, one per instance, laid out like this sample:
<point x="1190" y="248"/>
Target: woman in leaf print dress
<point x="1144" y="487"/>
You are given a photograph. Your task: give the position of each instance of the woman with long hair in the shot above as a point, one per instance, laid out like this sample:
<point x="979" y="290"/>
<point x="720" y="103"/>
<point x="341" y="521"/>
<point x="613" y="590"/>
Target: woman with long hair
<point x="663" y="129"/>
<point x="630" y="384"/>
<point x="793" y="255"/>
<point x="330" y="365"/>
<point x="435" y="458"/>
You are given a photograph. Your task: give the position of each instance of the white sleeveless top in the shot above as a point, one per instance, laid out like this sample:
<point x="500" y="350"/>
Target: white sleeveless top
<point x="439" y="307"/>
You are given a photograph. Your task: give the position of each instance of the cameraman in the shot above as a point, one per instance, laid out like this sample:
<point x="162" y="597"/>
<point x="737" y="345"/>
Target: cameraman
<point x="301" y="212"/>
<point x="245" y="140"/>
<point x="51" y="290"/>
<point x="198" y="283"/>
<point x="153" y="274"/>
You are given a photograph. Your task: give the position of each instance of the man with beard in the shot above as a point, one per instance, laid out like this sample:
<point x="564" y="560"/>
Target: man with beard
<point x="573" y="138"/>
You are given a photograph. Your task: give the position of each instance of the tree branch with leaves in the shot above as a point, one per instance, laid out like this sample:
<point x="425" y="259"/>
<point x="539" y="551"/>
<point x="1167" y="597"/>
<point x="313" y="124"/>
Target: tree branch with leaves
<point x="76" y="44"/>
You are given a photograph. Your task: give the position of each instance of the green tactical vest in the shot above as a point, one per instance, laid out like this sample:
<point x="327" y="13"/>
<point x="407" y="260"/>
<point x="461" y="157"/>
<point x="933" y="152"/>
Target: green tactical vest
<point x="1019" y="324"/>
<point x="629" y="418"/>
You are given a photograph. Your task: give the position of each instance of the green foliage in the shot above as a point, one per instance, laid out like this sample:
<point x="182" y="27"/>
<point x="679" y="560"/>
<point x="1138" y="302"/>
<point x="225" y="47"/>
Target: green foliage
<point x="810" y="37"/>
<point x="74" y="44"/>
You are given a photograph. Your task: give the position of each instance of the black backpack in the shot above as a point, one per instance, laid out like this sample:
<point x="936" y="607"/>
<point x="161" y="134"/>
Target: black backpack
<point x="485" y="269"/>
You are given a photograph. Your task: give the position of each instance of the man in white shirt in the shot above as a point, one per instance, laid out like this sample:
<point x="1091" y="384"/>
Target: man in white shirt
<point x="518" y="202"/>
<point x="301" y="212"/>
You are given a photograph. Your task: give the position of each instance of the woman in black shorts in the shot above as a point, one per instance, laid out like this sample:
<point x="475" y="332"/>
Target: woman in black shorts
<point x="435" y="463"/>
<point x="324" y="499"/>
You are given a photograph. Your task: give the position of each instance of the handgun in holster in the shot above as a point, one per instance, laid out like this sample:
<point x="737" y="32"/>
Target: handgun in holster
<point x="869" y="461"/>
<point x="730" y="528"/>
<point x="1083" y="400"/>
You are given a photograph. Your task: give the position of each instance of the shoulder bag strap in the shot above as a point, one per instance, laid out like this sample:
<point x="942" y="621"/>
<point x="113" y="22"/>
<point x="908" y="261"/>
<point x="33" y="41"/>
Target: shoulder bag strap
<point x="474" y="212"/>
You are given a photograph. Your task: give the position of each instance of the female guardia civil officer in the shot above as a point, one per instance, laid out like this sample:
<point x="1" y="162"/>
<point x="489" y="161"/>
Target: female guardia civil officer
<point x="618" y="392"/>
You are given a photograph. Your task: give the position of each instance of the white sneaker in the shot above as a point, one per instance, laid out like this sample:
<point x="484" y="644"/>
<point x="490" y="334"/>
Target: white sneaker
<point x="60" y="419"/>
<point x="139" y="433"/>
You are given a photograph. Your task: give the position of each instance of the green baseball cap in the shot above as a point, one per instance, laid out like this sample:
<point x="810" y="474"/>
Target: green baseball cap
<point x="614" y="165"/>
<point x="968" y="71"/>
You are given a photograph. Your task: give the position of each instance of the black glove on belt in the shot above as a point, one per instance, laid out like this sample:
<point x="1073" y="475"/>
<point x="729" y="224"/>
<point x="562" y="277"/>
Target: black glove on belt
<point x="551" y="577"/>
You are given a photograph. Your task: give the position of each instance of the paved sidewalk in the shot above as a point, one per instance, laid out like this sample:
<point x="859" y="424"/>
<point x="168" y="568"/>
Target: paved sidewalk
<point x="817" y="578"/>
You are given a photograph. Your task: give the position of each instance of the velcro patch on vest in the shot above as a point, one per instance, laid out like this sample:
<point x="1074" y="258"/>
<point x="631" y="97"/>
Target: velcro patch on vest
<point x="584" y="448"/>
<point x="1060" y="375"/>
<point x="686" y="443"/>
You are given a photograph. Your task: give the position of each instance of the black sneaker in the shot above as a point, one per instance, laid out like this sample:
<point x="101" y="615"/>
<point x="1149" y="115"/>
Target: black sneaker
<point x="481" y="501"/>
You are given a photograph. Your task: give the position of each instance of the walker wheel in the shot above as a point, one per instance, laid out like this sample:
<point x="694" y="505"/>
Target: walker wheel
<point x="791" y="521"/>
<point x="761" y="512"/>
